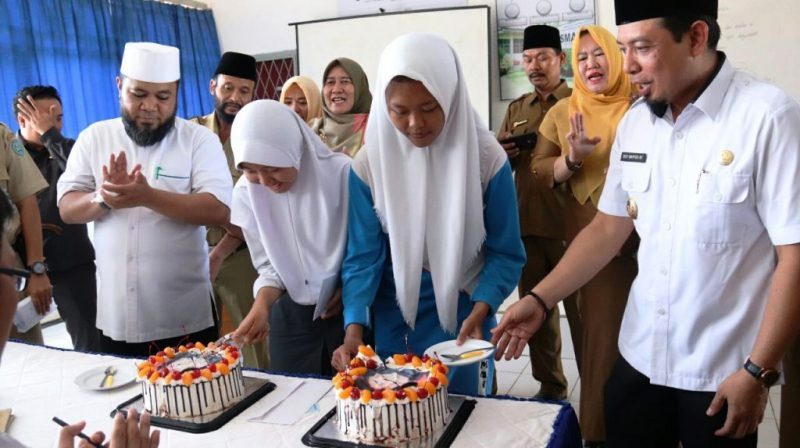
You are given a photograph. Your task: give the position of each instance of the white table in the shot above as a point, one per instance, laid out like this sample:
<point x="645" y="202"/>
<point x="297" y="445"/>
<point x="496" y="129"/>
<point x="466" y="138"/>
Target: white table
<point x="38" y="383"/>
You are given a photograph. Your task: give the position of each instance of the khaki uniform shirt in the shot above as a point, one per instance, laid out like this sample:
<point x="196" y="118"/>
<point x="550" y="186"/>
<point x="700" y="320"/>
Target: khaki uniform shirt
<point x="19" y="176"/>
<point x="215" y="233"/>
<point x="540" y="212"/>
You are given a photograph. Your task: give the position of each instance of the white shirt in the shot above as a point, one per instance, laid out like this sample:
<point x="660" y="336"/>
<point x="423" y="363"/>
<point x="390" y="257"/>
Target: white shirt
<point x="707" y="228"/>
<point x="152" y="271"/>
<point x="243" y="216"/>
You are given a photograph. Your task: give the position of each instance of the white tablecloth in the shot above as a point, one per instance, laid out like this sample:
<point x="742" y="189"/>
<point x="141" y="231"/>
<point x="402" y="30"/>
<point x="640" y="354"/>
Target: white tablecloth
<point x="38" y="383"/>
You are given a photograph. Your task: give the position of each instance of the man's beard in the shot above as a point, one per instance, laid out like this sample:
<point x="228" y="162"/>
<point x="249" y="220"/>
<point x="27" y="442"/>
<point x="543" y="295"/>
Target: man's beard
<point x="145" y="136"/>
<point x="219" y="107"/>
<point x="657" y="107"/>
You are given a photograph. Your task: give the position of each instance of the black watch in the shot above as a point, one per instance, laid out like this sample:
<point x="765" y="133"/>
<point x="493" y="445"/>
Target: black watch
<point x="767" y="377"/>
<point x="38" y="268"/>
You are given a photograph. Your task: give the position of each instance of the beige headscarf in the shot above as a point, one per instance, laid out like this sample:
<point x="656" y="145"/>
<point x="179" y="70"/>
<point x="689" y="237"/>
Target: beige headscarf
<point x="310" y="91"/>
<point x="345" y="132"/>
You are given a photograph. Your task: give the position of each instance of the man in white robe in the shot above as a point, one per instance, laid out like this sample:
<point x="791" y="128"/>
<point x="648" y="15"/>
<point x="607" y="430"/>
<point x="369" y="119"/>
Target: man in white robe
<point x="150" y="182"/>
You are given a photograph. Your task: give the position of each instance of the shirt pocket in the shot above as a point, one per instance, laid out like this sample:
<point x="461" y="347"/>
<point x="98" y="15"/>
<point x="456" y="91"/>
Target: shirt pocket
<point x="175" y="181"/>
<point x="721" y="208"/>
<point x="635" y="177"/>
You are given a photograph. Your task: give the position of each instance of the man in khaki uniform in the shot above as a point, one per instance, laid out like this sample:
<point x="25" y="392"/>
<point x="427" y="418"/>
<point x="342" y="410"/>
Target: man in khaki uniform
<point x="540" y="213"/>
<point x="232" y="271"/>
<point x="20" y="179"/>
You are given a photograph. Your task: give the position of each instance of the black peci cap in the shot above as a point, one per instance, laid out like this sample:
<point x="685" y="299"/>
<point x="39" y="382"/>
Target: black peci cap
<point x="238" y="65"/>
<point x="542" y="36"/>
<point x="628" y="11"/>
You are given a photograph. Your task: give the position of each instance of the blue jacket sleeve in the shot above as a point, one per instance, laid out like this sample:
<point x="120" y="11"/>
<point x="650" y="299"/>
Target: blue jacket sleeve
<point x="504" y="253"/>
<point x="365" y="257"/>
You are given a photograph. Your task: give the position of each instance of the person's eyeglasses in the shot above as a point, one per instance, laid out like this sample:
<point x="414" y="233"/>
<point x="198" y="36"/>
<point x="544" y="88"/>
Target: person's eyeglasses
<point x="20" y="276"/>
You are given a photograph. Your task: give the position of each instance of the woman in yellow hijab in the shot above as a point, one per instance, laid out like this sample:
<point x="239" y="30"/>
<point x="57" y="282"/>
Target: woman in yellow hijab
<point x="302" y="95"/>
<point x="572" y="154"/>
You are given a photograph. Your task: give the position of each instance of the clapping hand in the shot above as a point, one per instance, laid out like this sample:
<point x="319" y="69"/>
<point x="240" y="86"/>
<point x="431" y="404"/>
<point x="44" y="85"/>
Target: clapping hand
<point x="580" y="145"/>
<point x="123" y="189"/>
<point x="116" y="172"/>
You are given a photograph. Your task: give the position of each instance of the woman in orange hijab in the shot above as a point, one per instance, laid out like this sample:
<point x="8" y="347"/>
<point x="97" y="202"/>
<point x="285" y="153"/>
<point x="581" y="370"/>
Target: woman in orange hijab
<point x="572" y="154"/>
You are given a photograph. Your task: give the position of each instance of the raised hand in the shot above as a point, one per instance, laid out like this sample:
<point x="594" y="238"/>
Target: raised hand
<point x="116" y="172"/>
<point x="41" y="120"/>
<point x="580" y="145"/>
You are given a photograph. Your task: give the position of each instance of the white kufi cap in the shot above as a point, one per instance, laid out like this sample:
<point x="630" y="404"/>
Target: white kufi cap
<point x="149" y="62"/>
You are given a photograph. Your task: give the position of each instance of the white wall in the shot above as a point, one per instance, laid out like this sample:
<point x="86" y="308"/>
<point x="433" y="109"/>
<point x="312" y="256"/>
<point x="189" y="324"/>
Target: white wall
<point x="261" y="27"/>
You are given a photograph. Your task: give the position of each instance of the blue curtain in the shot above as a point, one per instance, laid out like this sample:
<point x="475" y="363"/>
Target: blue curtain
<point x="77" y="47"/>
<point x="64" y="44"/>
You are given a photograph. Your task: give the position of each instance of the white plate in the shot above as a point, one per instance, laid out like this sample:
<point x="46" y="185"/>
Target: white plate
<point x="450" y="348"/>
<point x="90" y="379"/>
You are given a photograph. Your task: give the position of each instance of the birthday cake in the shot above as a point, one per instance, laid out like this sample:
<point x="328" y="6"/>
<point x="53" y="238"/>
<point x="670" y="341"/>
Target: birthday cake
<point x="388" y="402"/>
<point x="192" y="380"/>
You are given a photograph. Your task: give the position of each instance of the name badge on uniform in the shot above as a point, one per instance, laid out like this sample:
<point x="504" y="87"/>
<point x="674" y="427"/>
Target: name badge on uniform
<point x="637" y="157"/>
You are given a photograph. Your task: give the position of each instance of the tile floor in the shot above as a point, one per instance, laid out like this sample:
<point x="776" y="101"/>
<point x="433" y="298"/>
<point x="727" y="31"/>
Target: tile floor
<point x="514" y="377"/>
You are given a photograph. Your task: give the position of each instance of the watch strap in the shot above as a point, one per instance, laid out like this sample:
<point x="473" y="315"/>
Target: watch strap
<point x="38" y="267"/>
<point x="572" y="166"/>
<point x="767" y="377"/>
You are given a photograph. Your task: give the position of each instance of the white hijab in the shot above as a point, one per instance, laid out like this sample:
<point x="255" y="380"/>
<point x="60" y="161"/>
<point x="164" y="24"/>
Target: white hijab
<point x="303" y="230"/>
<point x="430" y="200"/>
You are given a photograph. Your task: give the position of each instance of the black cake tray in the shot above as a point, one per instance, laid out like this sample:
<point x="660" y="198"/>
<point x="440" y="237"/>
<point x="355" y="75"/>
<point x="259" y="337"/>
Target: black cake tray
<point x="255" y="389"/>
<point x="325" y="433"/>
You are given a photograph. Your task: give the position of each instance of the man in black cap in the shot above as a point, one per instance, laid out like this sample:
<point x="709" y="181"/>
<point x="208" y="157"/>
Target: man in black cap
<point x="232" y="272"/>
<point x="704" y="168"/>
<point x="540" y="213"/>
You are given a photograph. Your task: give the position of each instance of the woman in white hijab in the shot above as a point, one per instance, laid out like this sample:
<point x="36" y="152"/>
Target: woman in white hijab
<point x="433" y="236"/>
<point x="291" y="204"/>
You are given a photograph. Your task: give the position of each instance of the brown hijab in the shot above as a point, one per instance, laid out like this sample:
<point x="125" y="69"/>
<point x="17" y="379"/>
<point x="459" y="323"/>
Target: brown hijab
<point x="345" y="132"/>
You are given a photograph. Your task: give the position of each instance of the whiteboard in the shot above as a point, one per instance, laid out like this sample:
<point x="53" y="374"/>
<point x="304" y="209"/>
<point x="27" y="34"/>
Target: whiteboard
<point x="363" y="38"/>
<point x="761" y="38"/>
